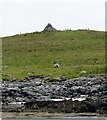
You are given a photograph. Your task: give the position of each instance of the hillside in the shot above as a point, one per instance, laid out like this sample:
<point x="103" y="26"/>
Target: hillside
<point x="35" y="53"/>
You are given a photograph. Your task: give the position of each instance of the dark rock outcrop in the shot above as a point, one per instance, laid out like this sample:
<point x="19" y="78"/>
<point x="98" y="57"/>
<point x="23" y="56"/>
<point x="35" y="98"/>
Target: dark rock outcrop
<point x="84" y="94"/>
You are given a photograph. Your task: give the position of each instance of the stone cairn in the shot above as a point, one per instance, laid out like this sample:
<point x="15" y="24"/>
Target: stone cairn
<point x="49" y="28"/>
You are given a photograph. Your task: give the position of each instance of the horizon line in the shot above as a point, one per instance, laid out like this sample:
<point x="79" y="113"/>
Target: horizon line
<point x="3" y="36"/>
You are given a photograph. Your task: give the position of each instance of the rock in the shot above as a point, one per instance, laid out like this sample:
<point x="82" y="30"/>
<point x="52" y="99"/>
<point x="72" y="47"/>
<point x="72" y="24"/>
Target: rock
<point x="47" y="78"/>
<point x="19" y="99"/>
<point x="63" y="78"/>
<point x="49" y="28"/>
<point x="56" y="65"/>
<point x="56" y="80"/>
<point x="76" y="89"/>
<point x="95" y="88"/>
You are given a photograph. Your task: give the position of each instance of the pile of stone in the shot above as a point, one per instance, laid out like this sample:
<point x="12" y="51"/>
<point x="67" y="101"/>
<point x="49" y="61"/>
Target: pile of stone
<point x="49" y="28"/>
<point x="58" y="90"/>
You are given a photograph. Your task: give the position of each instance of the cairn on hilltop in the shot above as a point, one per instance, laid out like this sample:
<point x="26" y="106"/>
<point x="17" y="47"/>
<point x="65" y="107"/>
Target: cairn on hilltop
<point x="49" y="28"/>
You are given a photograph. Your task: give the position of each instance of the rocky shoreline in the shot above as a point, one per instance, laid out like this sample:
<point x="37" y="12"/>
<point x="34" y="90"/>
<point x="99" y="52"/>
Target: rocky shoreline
<point x="39" y="94"/>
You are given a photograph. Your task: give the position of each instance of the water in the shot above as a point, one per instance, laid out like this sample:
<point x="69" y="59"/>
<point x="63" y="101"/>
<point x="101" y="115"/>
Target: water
<point x="60" y="118"/>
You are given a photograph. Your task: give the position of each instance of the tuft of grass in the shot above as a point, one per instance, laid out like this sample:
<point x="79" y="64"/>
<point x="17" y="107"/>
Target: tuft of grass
<point x="35" y="53"/>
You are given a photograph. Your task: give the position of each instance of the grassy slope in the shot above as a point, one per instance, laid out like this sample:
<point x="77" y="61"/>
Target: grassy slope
<point x="35" y="53"/>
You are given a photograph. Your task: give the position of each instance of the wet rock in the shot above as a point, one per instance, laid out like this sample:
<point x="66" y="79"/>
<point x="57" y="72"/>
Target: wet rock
<point x="36" y="89"/>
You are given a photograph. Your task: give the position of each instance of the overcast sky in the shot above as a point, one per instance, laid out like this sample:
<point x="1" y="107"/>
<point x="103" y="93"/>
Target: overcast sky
<point x="23" y="16"/>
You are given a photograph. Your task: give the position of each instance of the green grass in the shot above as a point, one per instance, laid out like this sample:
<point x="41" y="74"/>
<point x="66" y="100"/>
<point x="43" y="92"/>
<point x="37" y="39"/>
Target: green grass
<point x="35" y="53"/>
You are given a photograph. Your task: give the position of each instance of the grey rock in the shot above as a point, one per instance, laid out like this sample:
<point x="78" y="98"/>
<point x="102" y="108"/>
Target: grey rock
<point x="49" y="27"/>
<point x="36" y="89"/>
<point x="63" y="78"/>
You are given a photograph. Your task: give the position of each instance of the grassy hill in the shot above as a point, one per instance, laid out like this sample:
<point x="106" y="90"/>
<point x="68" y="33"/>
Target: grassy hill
<point x="35" y="53"/>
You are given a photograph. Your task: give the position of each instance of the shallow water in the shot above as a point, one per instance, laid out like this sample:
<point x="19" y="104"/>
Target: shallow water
<point x="59" y="118"/>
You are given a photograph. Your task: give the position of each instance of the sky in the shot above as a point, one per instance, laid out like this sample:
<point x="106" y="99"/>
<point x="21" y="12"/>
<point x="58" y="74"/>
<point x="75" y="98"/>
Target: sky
<point x="25" y="16"/>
